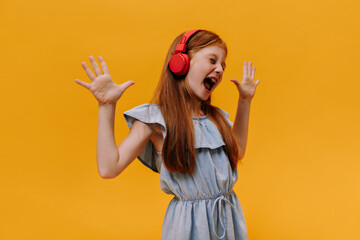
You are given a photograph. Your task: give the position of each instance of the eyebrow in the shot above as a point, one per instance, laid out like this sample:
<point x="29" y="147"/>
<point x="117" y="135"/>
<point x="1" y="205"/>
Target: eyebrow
<point x="223" y="63"/>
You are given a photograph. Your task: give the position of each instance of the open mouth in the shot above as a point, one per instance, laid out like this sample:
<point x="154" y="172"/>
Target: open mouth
<point x="209" y="83"/>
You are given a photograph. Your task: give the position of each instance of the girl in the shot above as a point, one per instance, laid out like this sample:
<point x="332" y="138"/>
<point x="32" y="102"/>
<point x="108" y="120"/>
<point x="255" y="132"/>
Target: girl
<point x="191" y="143"/>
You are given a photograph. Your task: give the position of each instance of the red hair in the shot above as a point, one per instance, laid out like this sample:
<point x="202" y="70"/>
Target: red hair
<point x="175" y="100"/>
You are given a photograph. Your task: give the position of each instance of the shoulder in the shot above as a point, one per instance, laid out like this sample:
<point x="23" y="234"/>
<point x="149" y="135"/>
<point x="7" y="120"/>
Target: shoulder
<point x="226" y="114"/>
<point x="147" y="111"/>
<point x="148" y="114"/>
<point x="144" y="109"/>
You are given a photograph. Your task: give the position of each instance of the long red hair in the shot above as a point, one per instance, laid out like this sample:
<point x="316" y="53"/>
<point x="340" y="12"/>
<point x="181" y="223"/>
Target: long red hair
<point x="175" y="100"/>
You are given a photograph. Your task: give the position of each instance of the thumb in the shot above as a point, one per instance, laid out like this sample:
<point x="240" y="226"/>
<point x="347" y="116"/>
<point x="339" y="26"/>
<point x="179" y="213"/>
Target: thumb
<point x="127" y="84"/>
<point x="235" y="81"/>
<point x="84" y="84"/>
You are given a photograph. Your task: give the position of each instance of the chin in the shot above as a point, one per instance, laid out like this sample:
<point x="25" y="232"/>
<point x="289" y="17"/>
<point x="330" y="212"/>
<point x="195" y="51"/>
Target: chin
<point x="203" y="98"/>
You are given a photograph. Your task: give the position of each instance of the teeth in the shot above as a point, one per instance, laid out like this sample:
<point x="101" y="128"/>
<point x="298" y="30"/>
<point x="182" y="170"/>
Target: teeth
<point x="213" y="80"/>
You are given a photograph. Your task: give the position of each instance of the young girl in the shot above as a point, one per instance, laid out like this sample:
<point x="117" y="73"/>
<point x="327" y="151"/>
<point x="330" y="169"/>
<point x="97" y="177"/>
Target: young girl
<point x="191" y="143"/>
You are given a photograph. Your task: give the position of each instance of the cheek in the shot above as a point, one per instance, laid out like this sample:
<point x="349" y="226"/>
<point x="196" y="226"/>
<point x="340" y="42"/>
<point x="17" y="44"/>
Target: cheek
<point x="198" y="69"/>
<point x="194" y="78"/>
<point x="190" y="80"/>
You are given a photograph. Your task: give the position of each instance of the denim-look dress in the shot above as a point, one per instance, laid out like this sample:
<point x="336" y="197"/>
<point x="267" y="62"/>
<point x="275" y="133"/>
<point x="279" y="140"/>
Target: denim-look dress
<point x="204" y="206"/>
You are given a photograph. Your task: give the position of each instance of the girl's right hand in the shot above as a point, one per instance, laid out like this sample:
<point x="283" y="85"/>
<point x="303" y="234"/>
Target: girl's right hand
<point x="102" y="86"/>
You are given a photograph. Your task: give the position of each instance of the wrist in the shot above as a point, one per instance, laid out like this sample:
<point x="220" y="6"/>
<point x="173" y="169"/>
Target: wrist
<point x="244" y="99"/>
<point x="107" y="107"/>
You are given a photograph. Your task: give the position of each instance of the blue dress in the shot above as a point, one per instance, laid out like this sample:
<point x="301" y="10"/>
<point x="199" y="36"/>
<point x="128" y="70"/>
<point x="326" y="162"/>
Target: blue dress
<point x="204" y="206"/>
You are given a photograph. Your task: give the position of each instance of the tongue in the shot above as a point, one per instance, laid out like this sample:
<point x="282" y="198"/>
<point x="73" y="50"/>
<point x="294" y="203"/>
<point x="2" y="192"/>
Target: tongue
<point x="207" y="85"/>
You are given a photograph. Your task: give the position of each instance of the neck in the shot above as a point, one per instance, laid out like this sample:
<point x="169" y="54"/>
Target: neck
<point x="196" y="110"/>
<point x="194" y="104"/>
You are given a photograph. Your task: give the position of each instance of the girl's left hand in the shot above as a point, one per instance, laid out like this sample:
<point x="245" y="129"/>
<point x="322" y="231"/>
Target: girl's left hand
<point x="247" y="87"/>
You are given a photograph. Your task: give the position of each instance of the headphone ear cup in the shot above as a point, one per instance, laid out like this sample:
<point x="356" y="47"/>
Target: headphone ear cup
<point x="179" y="64"/>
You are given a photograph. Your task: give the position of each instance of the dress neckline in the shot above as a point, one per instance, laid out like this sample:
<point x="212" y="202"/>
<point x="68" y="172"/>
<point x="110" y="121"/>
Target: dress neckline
<point x="200" y="117"/>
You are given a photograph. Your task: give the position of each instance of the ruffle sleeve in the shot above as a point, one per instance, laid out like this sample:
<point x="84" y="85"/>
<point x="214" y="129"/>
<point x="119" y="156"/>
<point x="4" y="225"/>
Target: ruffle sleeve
<point x="226" y="114"/>
<point x="147" y="113"/>
<point x="206" y="133"/>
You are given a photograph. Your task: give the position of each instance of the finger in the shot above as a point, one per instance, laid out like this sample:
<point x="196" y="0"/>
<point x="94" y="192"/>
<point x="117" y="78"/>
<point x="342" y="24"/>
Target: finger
<point x="235" y="81"/>
<point x="95" y="66"/>
<point x="84" y="84"/>
<point x="127" y="84"/>
<point x="88" y="71"/>
<point x="103" y="65"/>
<point x="257" y="82"/>
<point x="249" y="68"/>
<point x="244" y="69"/>
<point x="253" y="73"/>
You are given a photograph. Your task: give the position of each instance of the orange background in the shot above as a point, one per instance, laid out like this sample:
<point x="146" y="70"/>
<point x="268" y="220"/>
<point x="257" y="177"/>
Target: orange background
<point x="300" y="175"/>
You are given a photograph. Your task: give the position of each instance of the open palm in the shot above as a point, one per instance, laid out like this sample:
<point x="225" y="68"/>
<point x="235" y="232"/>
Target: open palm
<point x="102" y="86"/>
<point x="247" y="87"/>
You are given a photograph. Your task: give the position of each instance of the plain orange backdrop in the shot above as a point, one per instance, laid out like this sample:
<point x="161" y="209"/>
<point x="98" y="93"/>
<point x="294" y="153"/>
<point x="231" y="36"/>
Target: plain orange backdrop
<point x="300" y="175"/>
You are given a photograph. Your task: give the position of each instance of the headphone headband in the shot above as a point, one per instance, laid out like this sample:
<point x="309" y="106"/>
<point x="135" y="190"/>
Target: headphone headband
<point x="181" y="47"/>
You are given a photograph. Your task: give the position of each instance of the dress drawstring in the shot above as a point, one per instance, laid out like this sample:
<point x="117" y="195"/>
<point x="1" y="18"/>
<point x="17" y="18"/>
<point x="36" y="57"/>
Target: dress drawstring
<point x="219" y="201"/>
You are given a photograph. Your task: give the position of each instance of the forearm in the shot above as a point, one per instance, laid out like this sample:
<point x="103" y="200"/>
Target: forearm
<point x="241" y="123"/>
<point x="106" y="150"/>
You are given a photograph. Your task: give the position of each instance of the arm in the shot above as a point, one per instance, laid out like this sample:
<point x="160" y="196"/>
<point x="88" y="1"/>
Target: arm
<point x="241" y="124"/>
<point x="106" y="151"/>
<point x="246" y="92"/>
<point x="112" y="160"/>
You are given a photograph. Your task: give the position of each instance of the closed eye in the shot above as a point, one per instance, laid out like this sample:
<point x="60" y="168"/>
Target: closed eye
<point x="212" y="60"/>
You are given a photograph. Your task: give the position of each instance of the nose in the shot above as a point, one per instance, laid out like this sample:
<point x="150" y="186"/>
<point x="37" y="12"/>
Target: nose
<point x="219" y="69"/>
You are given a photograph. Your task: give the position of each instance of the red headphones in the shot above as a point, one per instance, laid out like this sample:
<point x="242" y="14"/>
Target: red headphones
<point x="179" y="62"/>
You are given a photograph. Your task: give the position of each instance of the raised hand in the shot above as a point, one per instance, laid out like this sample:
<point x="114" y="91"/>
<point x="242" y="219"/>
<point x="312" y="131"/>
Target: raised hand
<point x="102" y="86"/>
<point x="247" y="87"/>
